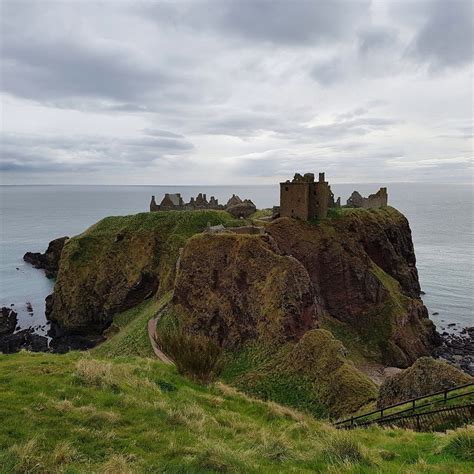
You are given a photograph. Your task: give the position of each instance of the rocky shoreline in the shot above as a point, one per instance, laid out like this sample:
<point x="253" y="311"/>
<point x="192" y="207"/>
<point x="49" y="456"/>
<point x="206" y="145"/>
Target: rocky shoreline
<point x="57" y="342"/>
<point x="458" y="349"/>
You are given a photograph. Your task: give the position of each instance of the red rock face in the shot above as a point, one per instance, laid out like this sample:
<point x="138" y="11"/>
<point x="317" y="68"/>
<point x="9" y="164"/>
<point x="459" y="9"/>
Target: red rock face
<point x="362" y="268"/>
<point x="238" y="287"/>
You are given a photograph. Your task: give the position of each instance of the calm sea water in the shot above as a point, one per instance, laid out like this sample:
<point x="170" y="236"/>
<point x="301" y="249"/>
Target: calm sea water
<point x="441" y="218"/>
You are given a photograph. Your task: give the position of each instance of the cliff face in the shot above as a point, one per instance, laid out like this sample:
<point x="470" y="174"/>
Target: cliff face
<point x="362" y="267"/>
<point x="49" y="261"/>
<point x="235" y="288"/>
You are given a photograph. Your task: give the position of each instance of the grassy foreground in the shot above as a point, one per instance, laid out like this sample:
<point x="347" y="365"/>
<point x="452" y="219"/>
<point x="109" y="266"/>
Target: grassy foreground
<point x="75" y="413"/>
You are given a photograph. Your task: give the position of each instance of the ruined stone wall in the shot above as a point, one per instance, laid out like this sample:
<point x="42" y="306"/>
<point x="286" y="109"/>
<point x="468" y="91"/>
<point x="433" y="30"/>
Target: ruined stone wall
<point x="374" y="201"/>
<point x="320" y="199"/>
<point x="295" y="200"/>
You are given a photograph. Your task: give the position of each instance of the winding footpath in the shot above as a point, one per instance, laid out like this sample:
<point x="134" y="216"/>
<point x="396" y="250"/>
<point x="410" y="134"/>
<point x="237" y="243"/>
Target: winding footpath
<point x="151" y="334"/>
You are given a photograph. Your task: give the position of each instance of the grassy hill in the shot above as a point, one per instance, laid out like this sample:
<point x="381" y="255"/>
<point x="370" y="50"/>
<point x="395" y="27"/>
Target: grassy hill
<point x="77" y="413"/>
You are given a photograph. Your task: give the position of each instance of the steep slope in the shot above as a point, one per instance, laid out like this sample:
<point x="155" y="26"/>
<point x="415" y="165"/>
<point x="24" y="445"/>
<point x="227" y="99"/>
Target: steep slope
<point x="424" y="377"/>
<point x="260" y="306"/>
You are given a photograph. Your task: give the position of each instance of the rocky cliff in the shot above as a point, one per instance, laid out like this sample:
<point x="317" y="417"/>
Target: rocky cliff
<point x="362" y="267"/>
<point x="354" y="273"/>
<point x="48" y="261"/>
<point x="235" y="288"/>
<point x="119" y="262"/>
<point x="263" y="297"/>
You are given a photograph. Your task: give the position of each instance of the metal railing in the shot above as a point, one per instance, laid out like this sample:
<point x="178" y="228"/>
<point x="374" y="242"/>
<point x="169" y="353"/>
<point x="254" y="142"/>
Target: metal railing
<point x="382" y="416"/>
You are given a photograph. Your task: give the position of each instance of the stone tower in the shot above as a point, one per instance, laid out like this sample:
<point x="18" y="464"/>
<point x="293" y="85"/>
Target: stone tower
<point x="303" y="198"/>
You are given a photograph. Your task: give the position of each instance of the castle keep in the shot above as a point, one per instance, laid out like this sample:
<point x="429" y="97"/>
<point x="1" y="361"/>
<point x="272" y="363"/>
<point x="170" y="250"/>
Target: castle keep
<point x="304" y="198"/>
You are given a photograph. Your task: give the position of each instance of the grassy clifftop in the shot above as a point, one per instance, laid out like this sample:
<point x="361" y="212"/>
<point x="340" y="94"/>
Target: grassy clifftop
<point x="75" y="413"/>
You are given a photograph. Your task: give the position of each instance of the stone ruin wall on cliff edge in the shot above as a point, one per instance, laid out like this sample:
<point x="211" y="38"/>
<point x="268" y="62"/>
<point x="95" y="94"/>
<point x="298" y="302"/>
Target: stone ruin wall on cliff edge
<point x="374" y="201"/>
<point x="174" y="202"/>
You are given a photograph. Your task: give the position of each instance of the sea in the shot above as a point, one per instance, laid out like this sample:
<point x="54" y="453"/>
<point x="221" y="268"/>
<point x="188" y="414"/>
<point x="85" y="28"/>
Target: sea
<point x="441" y="217"/>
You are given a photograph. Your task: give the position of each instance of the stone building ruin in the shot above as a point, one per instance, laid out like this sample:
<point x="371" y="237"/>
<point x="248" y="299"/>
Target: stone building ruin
<point x="379" y="199"/>
<point x="304" y="198"/>
<point x="174" y="202"/>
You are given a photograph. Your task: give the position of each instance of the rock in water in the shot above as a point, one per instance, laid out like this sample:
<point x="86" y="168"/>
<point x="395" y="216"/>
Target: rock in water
<point x="425" y="376"/>
<point x="8" y="321"/>
<point x="49" y="261"/>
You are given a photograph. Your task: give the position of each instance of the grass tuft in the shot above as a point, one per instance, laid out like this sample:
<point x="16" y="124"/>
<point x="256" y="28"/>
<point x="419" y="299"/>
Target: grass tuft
<point x="195" y="355"/>
<point x="118" y="464"/>
<point x="95" y="372"/>
<point x="342" y="447"/>
<point x="460" y="443"/>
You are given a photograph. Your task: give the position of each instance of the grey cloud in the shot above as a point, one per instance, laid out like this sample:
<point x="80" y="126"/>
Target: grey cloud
<point x="353" y="113"/>
<point x="60" y="70"/>
<point x="329" y="71"/>
<point x="273" y="21"/>
<point x="376" y="39"/>
<point x="161" y="133"/>
<point x="46" y="153"/>
<point x="446" y="37"/>
<point x="340" y="129"/>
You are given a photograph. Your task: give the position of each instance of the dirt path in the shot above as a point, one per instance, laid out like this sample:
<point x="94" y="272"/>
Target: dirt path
<point x="158" y="352"/>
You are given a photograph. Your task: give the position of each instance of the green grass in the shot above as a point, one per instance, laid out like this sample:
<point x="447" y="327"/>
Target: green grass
<point x="259" y="213"/>
<point x="74" y="413"/>
<point x="132" y="337"/>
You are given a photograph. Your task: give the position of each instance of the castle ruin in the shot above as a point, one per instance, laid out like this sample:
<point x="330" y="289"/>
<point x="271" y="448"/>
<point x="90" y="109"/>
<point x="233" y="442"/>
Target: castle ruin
<point x="174" y="202"/>
<point x="379" y="199"/>
<point x="304" y="198"/>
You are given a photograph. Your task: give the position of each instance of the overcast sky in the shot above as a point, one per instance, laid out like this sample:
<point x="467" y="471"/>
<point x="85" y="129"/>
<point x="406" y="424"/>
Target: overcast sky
<point x="236" y="91"/>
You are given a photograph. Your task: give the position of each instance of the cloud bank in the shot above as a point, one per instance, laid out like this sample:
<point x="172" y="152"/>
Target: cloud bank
<point x="227" y="91"/>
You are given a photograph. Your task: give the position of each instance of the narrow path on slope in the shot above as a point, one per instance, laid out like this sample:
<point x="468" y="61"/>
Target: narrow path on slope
<point x="151" y="334"/>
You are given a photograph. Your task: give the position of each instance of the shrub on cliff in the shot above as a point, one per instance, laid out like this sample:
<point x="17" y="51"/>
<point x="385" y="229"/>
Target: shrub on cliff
<point x="195" y="355"/>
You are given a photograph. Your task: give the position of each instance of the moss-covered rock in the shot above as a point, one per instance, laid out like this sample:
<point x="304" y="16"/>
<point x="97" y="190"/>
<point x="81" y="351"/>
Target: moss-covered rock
<point x="425" y="376"/>
<point x="119" y="262"/>
<point x="236" y="287"/>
